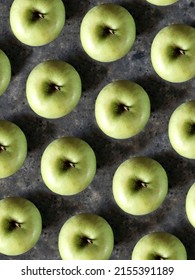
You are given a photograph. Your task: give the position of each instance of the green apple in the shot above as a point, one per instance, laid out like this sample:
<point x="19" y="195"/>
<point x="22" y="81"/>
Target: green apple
<point x="68" y="165"/>
<point x="5" y="72"/>
<point x="86" y="236"/>
<point x="122" y="109"/>
<point x="20" y="225"/>
<point x="181" y="129"/>
<point x="173" y="53"/>
<point x="162" y="2"/>
<point x="107" y="32"/>
<point x="53" y="89"/>
<point x="37" y="22"/>
<point x="13" y="148"/>
<point x="140" y="185"/>
<point x="159" y="246"/>
<point x="190" y="205"/>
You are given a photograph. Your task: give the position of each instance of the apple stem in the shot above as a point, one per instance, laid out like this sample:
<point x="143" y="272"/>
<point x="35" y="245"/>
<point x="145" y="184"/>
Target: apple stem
<point x="108" y="31"/>
<point x="2" y="148"/>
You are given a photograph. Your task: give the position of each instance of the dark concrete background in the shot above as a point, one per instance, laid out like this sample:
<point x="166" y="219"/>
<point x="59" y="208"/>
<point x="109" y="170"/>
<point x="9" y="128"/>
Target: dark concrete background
<point x="152" y="141"/>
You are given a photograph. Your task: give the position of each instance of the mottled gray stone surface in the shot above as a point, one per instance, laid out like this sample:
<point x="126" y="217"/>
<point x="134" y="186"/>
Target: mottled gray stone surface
<point x="152" y="141"/>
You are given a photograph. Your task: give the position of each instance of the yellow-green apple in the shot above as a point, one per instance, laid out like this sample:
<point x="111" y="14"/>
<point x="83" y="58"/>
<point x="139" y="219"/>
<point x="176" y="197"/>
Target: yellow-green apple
<point x="107" y="32"/>
<point x="162" y="2"/>
<point x="140" y="185"/>
<point x="37" y="22"/>
<point x="53" y="89"/>
<point x="20" y="225"/>
<point x="159" y="246"/>
<point x="173" y="53"/>
<point x="13" y="148"/>
<point x="190" y="205"/>
<point x="122" y="109"/>
<point x="86" y="236"/>
<point x="68" y="165"/>
<point x="181" y="129"/>
<point x="5" y="72"/>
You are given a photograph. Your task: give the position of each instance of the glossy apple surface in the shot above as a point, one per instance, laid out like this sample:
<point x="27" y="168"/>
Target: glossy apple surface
<point x="20" y="225"/>
<point x="86" y="236"/>
<point x="53" y="89"/>
<point x="173" y="53"/>
<point x="140" y="185"/>
<point x="162" y="2"/>
<point x="159" y="246"/>
<point x="122" y="109"/>
<point x="68" y="165"/>
<point x="37" y="23"/>
<point x="181" y="129"/>
<point x="5" y="72"/>
<point x="107" y="32"/>
<point x="13" y="148"/>
<point x="190" y="205"/>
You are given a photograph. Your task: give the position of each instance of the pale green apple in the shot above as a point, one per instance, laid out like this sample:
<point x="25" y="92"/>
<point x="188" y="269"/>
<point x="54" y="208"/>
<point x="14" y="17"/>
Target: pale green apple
<point x="68" y="165"/>
<point x="140" y="185"/>
<point x="107" y="32"/>
<point x="162" y="2"/>
<point x="13" y="148"/>
<point x="53" y="89"/>
<point x="5" y="72"/>
<point x="181" y="129"/>
<point x="173" y="53"/>
<point x="37" y="22"/>
<point x="86" y="236"/>
<point x="190" y="205"/>
<point x="122" y="109"/>
<point x="159" y="246"/>
<point x="20" y="225"/>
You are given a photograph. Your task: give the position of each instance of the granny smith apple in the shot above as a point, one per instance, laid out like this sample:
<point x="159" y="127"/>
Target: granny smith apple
<point x="159" y="246"/>
<point x="162" y="2"/>
<point x="140" y="185"/>
<point x="107" y="32"/>
<point x="13" y="148"/>
<point x="53" y="89"/>
<point x="173" y="53"/>
<point x="122" y="109"/>
<point x="5" y="72"/>
<point x="181" y="129"/>
<point x="68" y="165"/>
<point x="86" y="236"/>
<point x="20" y="225"/>
<point x="37" y="22"/>
<point x="190" y="205"/>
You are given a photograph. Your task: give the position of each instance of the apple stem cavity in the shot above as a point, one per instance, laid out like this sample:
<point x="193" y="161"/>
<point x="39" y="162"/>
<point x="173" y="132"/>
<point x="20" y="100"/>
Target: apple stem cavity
<point x="108" y="31"/>
<point x="123" y="108"/>
<point x="178" y="52"/>
<point x="36" y="15"/>
<point x="140" y="185"/>
<point x="68" y="164"/>
<point x="14" y="225"/>
<point x="86" y="241"/>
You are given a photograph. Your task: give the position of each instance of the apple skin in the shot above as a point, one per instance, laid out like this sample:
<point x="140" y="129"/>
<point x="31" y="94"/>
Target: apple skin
<point x="37" y="23"/>
<point x="173" y="53"/>
<point x="13" y="148"/>
<point x="140" y="185"/>
<point x="162" y="2"/>
<point x="20" y="225"/>
<point x="159" y="246"/>
<point x="107" y="32"/>
<point x="68" y="165"/>
<point x="5" y="72"/>
<point x="122" y="109"/>
<point x="86" y="236"/>
<point x="53" y="89"/>
<point x="181" y="129"/>
<point x="190" y="205"/>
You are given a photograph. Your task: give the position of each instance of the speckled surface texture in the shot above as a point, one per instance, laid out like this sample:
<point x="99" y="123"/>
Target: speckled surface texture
<point x="152" y="141"/>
